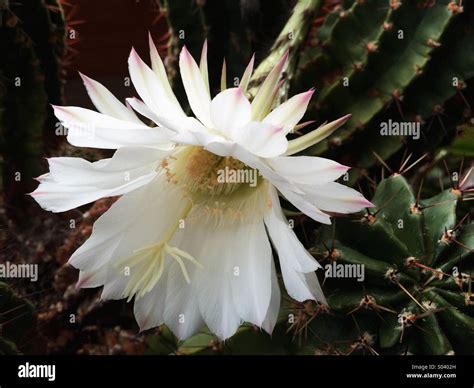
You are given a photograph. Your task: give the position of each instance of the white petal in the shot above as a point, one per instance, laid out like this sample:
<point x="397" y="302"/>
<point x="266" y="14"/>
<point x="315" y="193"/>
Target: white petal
<point x="230" y="110"/>
<point x="197" y="138"/>
<point x="264" y="140"/>
<point x="285" y="240"/>
<point x="310" y="170"/>
<point x="274" y="306"/>
<point x="302" y="203"/>
<point x="295" y="262"/>
<point x="138" y="219"/>
<point x="251" y="264"/>
<point x="106" y="102"/>
<point x="159" y="69"/>
<point x="288" y="114"/>
<point x="222" y="148"/>
<point x="143" y="109"/>
<point x="151" y="88"/>
<point x="334" y="197"/>
<point x="182" y="314"/>
<point x="149" y="310"/>
<point x="87" y="128"/>
<point x="190" y="131"/>
<point x="73" y="182"/>
<point x="198" y="96"/>
<point x="235" y="282"/>
<point x="301" y="286"/>
<point x="213" y="283"/>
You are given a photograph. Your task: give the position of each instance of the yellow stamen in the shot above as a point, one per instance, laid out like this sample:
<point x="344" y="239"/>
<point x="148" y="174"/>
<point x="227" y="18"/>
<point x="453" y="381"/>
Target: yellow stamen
<point x="148" y="263"/>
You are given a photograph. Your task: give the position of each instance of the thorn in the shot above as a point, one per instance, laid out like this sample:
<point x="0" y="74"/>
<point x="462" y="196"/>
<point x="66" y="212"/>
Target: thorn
<point x="405" y="160"/>
<point x="382" y="162"/>
<point x="410" y="295"/>
<point x="414" y="164"/>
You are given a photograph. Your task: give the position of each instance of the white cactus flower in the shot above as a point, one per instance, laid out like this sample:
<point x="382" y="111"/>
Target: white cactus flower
<point x="189" y="247"/>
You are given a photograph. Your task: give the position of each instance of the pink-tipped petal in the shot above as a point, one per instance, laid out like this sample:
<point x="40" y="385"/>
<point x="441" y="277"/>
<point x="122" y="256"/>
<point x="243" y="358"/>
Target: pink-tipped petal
<point x="311" y="170"/>
<point x="198" y="96"/>
<point x="335" y="198"/>
<point x="106" y="102"/>
<point x="87" y="128"/>
<point x="73" y="182"/>
<point x="314" y="137"/>
<point x="263" y="100"/>
<point x="158" y="67"/>
<point x="288" y="114"/>
<point x="151" y="88"/>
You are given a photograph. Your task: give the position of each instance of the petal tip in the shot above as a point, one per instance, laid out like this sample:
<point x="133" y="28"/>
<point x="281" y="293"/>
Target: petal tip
<point x="345" y="118"/>
<point x="134" y="57"/>
<point x="366" y="203"/>
<point x="185" y="54"/>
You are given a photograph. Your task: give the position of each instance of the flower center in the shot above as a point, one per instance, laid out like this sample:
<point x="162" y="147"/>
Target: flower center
<point x="220" y="188"/>
<point x="206" y="175"/>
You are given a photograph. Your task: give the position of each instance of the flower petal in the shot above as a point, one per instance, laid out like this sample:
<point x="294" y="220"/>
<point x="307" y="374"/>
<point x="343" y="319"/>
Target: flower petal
<point x="251" y="271"/>
<point x="263" y="100"/>
<point x="303" y="204"/>
<point x="213" y="284"/>
<point x="274" y="306"/>
<point x="106" y="102"/>
<point x="198" y="96"/>
<point x="182" y="314"/>
<point x="264" y="140"/>
<point x="311" y="170"/>
<point x="223" y="148"/>
<point x="189" y="131"/>
<point x="159" y="68"/>
<point x="149" y="310"/>
<point x="244" y="82"/>
<point x="301" y="286"/>
<point x="151" y="88"/>
<point x="230" y="110"/>
<point x="297" y="265"/>
<point x="234" y="285"/>
<point x="334" y="197"/>
<point x="143" y="109"/>
<point x="314" y="137"/>
<point x="73" y="182"/>
<point x="87" y="128"/>
<point x="288" y="114"/>
<point x="285" y="240"/>
<point x="203" y="66"/>
<point x="138" y="219"/>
